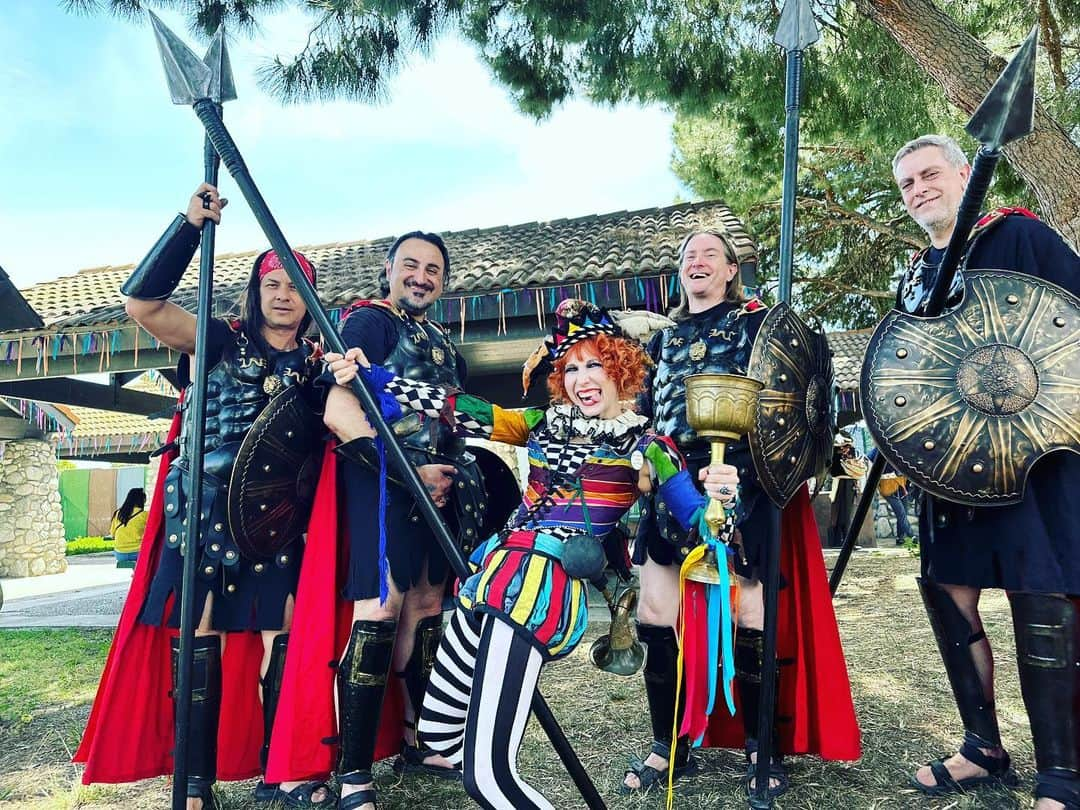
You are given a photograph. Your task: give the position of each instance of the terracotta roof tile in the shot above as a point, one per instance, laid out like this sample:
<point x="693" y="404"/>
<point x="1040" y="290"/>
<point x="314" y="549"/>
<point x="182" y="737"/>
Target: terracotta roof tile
<point x="533" y="254"/>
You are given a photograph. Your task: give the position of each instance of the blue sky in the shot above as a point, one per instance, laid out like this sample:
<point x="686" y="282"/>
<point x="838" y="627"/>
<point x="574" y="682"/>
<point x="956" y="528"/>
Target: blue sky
<point x="94" y="159"/>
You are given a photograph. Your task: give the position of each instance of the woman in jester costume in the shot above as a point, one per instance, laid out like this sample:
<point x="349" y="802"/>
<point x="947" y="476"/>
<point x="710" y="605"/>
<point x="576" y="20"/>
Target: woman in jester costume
<point x="526" y="603"/>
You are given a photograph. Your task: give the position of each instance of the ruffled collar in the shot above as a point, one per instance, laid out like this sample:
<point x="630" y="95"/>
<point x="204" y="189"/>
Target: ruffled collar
<point x="567" y="421"/>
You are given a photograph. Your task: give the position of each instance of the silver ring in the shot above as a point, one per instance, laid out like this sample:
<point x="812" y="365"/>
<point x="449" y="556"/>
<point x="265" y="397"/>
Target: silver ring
<point x="725" y="490"/>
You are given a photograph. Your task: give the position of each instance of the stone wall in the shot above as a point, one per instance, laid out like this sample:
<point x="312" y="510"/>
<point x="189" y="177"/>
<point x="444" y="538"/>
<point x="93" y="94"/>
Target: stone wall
<point x="31" y="523"/>
<point x="885" y="520"/>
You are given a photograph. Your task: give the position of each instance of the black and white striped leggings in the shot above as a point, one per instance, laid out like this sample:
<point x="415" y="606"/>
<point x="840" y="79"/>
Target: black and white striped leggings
<point x="476" y="707"/>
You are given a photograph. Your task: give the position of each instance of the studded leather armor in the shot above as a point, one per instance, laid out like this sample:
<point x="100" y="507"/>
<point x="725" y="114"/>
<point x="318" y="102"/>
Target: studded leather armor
<point x="240" y="385"/>
<point x="424" y="352"/>
<point x="717" y="341"/>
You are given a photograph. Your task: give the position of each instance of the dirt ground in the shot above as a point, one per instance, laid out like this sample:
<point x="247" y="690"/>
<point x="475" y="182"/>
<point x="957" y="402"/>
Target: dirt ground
<point x="902" y="698"/>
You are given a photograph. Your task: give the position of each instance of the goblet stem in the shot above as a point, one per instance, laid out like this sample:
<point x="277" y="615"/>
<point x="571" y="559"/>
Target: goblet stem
<point x="714" y="512"/>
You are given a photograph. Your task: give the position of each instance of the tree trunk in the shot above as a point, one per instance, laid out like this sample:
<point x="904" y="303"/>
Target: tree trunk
<point x="1048" y="160"/>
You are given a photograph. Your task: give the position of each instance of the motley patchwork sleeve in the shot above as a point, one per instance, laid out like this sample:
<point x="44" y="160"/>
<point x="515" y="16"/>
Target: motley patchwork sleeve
<point x="676" y="487"/>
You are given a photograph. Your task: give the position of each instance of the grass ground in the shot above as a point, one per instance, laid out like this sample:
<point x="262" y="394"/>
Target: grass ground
<point x="47" y="680"/>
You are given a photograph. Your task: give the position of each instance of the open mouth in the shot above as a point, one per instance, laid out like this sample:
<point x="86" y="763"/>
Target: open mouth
<point x="590" y="396"/>
<point x="698" y="276"/>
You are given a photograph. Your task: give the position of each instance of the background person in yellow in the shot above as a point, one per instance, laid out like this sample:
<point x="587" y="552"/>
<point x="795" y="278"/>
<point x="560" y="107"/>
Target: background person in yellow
<point x="128" y="525"/>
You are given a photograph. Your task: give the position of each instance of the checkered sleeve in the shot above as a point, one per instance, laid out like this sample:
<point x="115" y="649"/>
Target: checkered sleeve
<point x="468" y="415"/>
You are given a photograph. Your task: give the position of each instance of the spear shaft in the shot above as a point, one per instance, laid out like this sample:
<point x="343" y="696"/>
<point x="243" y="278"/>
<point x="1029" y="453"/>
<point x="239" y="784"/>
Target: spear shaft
<point x="194" y="452"/>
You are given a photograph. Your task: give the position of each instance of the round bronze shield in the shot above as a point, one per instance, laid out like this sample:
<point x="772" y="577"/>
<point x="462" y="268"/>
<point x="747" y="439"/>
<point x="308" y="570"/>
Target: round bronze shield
<point x="792" y="439"/>
<point x="965" y="403"/>
<point x="273" y="481"/>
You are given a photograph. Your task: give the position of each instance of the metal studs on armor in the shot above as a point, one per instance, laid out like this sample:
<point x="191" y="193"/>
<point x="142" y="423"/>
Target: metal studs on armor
<point x="929" y="444"/>
<point x="977" y="468"/>
<point x="288" y="434"/>
<point x="219" y="527"/>
<point x="173" y="538"/>
<point x="461" y="484"/>
<point x="794" y="343"/>
<point x="1012" y="299"/>
<point x="900" y="401"/>
<point x="781" y="421"/>
<point x="901" y="353"/>
<point x="209" y="570"/>
<point x="470" y="532"/>
<point x="684" y="550"/>
<point x="170" y="507"/>
<point x="170" y="488"/>
<point x="230" y="588"/>
<point x="266" y="468"/>
<point x="1059" y="322"/>
<point x="782" y="377"/>
<point x="258" y="568"/>
<point x="230" y="555"/>
<point x="284" y="559"/>
<point x="262" y="507"/>
<point x="468" y="507"/>
<point x="415" y="518"/>
<point x="215" y="546"/>
<point x="273" y="532"/>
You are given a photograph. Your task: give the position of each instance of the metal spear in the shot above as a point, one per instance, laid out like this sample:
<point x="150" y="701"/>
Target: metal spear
<point x="220" y="90"/>
<point x="796" y="31"/>
<point x="189" y="84"/>
<point x="1006" y="114"/>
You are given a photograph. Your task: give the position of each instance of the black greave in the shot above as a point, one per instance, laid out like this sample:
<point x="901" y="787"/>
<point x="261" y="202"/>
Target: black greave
<point x="429" y="632"/>
<point x="205" y="705"/>
<point x="1048" y="654"/>
<point x="661" y="675"/>
<point x="749" y="665"/>
<point x="954" y="639"/>
<point x="361" y="682"/>
<point x="271" y="684"/>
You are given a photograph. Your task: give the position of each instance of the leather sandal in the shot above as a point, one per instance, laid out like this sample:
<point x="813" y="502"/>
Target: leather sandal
<point x="299" y="796"/>
<point x="202" y="789"/>
<point x="360" y="797"/>
<point x="411" y="760"/>
<point x="777" y="772"/>
<point x="998" y="772"/>
<point x="1060" y="785"/>
<point x="648" y="776"/>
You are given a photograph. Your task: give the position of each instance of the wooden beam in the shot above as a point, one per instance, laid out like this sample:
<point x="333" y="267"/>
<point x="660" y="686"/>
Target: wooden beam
<point x="67" y="391"/>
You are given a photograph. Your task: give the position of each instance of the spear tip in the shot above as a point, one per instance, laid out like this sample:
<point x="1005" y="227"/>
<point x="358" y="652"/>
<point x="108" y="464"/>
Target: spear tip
<point x="188" y="78"/>
<point x="797" y="29"/>
<point x="222" y="87"/>
<point x="1007" y="112"/>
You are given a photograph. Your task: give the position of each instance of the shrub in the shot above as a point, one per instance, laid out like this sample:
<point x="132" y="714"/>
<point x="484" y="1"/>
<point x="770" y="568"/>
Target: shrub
<point x="89" y="545"/>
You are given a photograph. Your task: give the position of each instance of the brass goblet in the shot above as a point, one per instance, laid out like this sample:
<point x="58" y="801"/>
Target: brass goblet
<point x="720" y="408"/>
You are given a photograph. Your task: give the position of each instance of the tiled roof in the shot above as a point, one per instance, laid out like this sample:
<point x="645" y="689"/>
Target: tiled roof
<point x="97" y="423"/>
<point x="534" y="254"/>
<point x="848" y="350"/>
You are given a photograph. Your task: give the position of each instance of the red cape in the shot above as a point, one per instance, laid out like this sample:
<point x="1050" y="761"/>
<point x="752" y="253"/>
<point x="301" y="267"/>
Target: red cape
<point x="814" y="689"/>
<point x="305" y="727"/>
<point x="129" y="735"/>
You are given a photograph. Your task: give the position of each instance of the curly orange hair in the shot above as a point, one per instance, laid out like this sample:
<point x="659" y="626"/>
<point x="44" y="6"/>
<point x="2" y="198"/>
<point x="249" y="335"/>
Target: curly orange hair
<point x="624" y="361"/>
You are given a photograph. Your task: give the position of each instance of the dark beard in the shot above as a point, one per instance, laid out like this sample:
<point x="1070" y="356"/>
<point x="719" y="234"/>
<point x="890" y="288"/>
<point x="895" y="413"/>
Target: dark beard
<point x="404" y="303"/>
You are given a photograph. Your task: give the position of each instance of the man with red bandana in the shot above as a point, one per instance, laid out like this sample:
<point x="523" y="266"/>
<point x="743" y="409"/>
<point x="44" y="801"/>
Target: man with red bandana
<point x="247" y="602"/>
